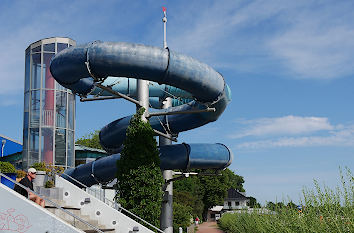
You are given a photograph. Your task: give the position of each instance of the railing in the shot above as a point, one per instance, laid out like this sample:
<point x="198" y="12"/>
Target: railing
<point x="113" y="204"/>
<point x="239" y="207"/>
<point x="48" y="117"/>
<point x="53" y="203"/>
<point x="34" y="123"/>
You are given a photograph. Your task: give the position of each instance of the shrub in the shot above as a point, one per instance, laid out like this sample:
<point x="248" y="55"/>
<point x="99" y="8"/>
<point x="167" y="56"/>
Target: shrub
<point x="52" y="170"/>
<point x="48" y="168"/>
<point x="39" y="166"/>
<point x="49" y="184"/>
<point x="325" y="210"/>
<point x="20" y="174"/>
<point x="6" y="167"/>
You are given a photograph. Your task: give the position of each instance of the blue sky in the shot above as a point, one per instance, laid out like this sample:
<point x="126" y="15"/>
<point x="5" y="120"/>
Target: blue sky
<point x="289" y="65"/>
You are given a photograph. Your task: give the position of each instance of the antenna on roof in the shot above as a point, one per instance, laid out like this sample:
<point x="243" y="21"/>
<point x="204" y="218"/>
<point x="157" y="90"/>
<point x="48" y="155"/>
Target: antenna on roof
<point x="164" y="20"/>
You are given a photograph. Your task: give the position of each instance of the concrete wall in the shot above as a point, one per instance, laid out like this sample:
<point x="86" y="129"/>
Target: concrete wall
<point x="18" y="214"/>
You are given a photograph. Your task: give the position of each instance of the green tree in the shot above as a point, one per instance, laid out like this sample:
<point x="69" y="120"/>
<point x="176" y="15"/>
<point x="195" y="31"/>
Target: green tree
<point x="215" y="190"/>
<point x="181" y="216"/>
<point x="271" y="206"/>
<point x="91" y="140"/>
<point x="188" y="199"/>
<point x="234" y="181"/>
<point x="291" y="205"/>
<point x="189" y="192"/>
<point x="206" y="191"/>
<point x="139" y="175"/>
<point x="280" y="205"/>
<point x="216" y="187"/>
<point x="254" y="203"/>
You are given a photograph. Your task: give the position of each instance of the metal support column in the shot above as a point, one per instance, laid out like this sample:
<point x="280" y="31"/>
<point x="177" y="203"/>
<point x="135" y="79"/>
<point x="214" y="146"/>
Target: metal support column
<point x="166" y="220"/>
<point x="143" y="97"/>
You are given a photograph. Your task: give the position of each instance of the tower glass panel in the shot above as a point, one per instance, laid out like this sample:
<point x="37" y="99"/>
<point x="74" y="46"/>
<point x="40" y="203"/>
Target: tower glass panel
<point x="36" y="71"/>
<point x="49" y="108"/>
<point x="28" y="69"/>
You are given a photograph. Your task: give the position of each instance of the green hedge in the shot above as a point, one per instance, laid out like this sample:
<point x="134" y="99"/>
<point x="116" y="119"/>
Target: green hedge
<point x="6" y="167"/>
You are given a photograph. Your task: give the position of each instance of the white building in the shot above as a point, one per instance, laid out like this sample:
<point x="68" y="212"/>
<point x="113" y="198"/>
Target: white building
<point x="235" y="200"/>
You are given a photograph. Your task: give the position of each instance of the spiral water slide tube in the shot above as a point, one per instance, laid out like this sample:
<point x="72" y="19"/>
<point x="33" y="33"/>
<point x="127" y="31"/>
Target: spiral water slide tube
<point x="194" y="85"/>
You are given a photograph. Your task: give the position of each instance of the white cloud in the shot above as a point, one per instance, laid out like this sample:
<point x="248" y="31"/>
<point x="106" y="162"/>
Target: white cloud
<point x="301" y="39"/>
<point x="287" y="125"/>
<point x="12" y="60"/>
<point x="312" y="52"/>
<point x="22" y="27"/>
<point x="344" y="136"/>
<point x="308" y="40"/>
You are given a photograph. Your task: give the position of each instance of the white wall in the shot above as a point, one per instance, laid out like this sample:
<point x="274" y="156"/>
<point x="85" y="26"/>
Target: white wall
<point x="242" y="204"/>
<point x="18" y="214"/>
<point x="74" y="196"/>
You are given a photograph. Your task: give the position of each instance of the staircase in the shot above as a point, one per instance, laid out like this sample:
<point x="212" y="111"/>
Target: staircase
<point x="18" y="214"/>
<point x="106" y="215"/>
<point x="72" y="221"/>
<point x="68" y="209"/>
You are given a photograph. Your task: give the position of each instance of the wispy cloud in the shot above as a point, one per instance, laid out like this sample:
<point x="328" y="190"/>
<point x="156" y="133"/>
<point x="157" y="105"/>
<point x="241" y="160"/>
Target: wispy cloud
<point x="293" y="38"/>
<point x="340" y="136"/>
<point x="316" y="45"/>
<point x="287" y="125"/>
<point x="302" y="39"/>
<point x="22" y="27"/>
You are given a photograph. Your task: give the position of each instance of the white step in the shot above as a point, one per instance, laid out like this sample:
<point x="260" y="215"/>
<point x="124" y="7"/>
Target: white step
<point x="107" y="216"/>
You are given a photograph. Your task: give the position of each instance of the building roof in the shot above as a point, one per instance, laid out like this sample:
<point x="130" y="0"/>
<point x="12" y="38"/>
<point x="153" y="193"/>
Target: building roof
<point x="10" y="139"/>
<point x="85" y="148"/>
<point x="84" y="152"/>
<point x="217" y="208"/>
<point x="80" y="152"/>
<point x="17" y="156"/>
<point x="9" y="146"/>
<point x="234" y="194"/>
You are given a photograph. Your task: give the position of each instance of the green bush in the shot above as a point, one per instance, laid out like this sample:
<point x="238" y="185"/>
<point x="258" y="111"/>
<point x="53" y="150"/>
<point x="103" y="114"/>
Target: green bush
<point x="325" y="210"/>
<point x="39" y="166"/>
<point x="6" y="167"/>
<point x="49" y="184"/>
<point x="181" y="216"/>
<point x="20" y="174"/>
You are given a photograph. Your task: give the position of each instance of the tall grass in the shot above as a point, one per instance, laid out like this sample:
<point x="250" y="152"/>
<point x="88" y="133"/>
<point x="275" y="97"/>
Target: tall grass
<point x="324" y="210"/>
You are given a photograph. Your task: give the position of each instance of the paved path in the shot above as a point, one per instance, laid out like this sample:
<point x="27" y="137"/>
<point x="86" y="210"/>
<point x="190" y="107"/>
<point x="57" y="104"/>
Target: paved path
<point x="209" y="227"/>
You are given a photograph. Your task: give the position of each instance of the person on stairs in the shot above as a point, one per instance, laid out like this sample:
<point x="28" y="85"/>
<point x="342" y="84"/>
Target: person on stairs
<point x="27" y="181"/>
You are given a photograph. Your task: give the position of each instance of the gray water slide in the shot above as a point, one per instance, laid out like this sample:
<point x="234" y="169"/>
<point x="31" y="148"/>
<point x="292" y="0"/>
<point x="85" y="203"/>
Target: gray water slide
<point x="194" y="86"/>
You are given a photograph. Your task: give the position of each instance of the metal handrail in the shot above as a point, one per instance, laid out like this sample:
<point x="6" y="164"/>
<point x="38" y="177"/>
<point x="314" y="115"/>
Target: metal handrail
<point x="72" y="178"/>
<point x="118" y="207"/>
<point x="53" y="203"/>
<point x="159" y="230"/>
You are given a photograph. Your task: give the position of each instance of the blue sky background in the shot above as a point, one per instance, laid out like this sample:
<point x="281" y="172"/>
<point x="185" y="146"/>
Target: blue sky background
<point x="289" y="65"/>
